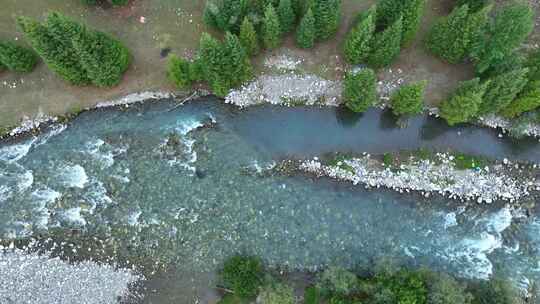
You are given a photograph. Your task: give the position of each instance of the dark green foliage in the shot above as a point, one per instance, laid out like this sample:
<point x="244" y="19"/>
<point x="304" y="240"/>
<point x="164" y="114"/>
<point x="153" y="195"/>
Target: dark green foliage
<point x="444" y="289"/>
<point x="119" y="2"/>
<point x="359" y="92"/>
<point x="16" y="58"/>
<point x="389" y="11"/>
<point x="78" y="54"/>
<point x="407" y="286"/>
<point x="248" y="37"/>
<point x="90" y="2"/>
<point x="409" y="99"/>
<point x="312" y="295"/>
<point x="358" y="41"/>
<point x="178" y="71"/>
<point x="327" y="15"/>
<point x="474" y="5"/>
<point x="56" y="49"/>
<point x="453" y="36"/>
<point x="113" y="2"/>
<point x="465" y="161"/>
<point x="337" y="280"/>
<point x="533" y="64"/>
<point x="510" y="27"/>
<point x="243" y="275"/>
<point x="463" y="105"/>
<point x="386" y="45"/>
<point x="306" y="33"/>
<point x="211" y="55"/>
<point x="276" y="293"/>
<point x="232" y="299"/>
<point x="271" y="28"/>
<point x="286" y="15"/>
<point x="514" y="61"/>
<point x="237" y="67"/>
<point x="196" y="70"/>
<point x="495" y="291"/>
<point x="502" y="90"/>
<point x="226" y="15"/>
<point x="528" y="100"/>
<point x="104" y="58"/>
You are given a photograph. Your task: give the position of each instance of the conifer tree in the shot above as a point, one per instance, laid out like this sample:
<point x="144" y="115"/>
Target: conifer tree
<point x="327" y="15"/>
<point x="287" y="16"/>
<point x="502" y="90"/>
<point x="238" y="67"/>
<point x="358" y="42"/>
<point x="510" y="27"/>
<point x="464" y="104"/>
<point x="226" y="15"/>
<point x="389" y="11"/>
<point x="386" y="45"/>
<point x="248" y="37"/>
<point x="305" y="35"/>
<point x="271" y="28"/>
<point x="527" y="100"/>
<point x="360" y="90"/>
<point x="211" y="56"/>
<point x="16" y="58"/>
<point x="474" y="5"/>
<point x="452" y="37"/>
<point x="409" y="99"/>
<point x="178" y="71"/>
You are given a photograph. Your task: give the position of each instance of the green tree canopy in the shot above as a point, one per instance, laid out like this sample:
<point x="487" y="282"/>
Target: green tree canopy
<point x="510" y="27"/>
<point x="16" y="58"/>
<point x="271" y="28"/>
<point x="502" y="90"/>
<point x="286" y="15"/>
<point x="306" y="32"/>
<point x="358" y="41"/>
<point x="327" y="15"/>
<point x="360" y="90"/>
<point x="178" y="71"/>
<point x="243" y="275"/>
<point x="409" y="99"/>
<point x="464" y="104"/>
<point x="386" y="45"/>
<point x="389" y="11"/>
<point x="248" y="37"/>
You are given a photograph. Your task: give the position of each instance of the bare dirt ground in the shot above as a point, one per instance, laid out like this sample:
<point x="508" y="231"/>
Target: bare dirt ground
<point x="149" y="26"/>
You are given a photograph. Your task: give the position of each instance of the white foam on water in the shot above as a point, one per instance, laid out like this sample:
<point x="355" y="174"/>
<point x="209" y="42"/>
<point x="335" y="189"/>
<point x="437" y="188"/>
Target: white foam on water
<point x="14" y="153"/>
<point x="97" y="195"/>
<point x="55" y="130"/>
<point x="25" y="181"/>
<point x="43" y="197"/>
<point x="74" y="216"/>
<point x="133" y="218"/>
<point x="450" y="220"/>
<point x="73" y="176"/>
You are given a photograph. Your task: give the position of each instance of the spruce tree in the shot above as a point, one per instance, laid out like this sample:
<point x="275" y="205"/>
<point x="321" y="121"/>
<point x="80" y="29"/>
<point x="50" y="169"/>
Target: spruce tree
<point x="358" y="42"/>
<point x="238" y="67"/>
<point x="474" y="5"/>
<point x="305" y="35"/>
<point x="211" y="55"/>
<point x="510" y="27"/>
<point x="360" y="90"/>
<point x="271" y="28"/>
<point x="465" y="102"/>
<point x="409" y="99"/>
<point x="287" y="16"/>
<point x="527" y="100"/>
<point x="58" y="54"/>
<point x="16" y="58"/>
<point x="225" y="15"/>
<point x="502" y="90"/>
<point x="248" y="37"/>
<point x="327" y="15"/>
<point x="389" y="11"/>
<point x="178" y="71"/>
<point x="386" y="45"/>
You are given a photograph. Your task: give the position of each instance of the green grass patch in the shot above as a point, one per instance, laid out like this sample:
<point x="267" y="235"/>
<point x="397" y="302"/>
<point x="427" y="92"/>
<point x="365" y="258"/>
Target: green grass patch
<point x="464" y="161"/>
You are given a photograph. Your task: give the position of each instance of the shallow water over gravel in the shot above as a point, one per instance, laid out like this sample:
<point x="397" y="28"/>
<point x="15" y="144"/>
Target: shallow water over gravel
<point x="194" y="202"/>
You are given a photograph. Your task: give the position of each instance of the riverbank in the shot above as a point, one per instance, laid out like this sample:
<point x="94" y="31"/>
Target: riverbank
<point x="456" y="177"/>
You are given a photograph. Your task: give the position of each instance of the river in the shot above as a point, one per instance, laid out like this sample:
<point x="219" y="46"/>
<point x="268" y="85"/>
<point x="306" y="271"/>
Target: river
<point x="192" y="204"/>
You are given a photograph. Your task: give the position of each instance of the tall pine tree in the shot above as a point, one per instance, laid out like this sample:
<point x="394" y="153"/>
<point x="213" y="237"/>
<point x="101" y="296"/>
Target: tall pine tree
<point x="248" y="37"/>
<point x="211" y="55"/>
<point x="358" y="41"/>
<point x="465" y="102"/>
<point x="502" y="90"/>
<point x="287" y="16"/>
<point x="306" y="33"/>
<point x="360" y="90"/>
<point x="327" y="15"/>
<point x="386" y="45"/>
<point x="389" y="11"/>
<point x="271" y="28"/>
<point x="238" y="67"/>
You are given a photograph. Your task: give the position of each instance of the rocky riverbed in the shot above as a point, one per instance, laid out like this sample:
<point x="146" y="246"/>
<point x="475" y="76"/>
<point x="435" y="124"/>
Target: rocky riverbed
<point x="505" y="181"/>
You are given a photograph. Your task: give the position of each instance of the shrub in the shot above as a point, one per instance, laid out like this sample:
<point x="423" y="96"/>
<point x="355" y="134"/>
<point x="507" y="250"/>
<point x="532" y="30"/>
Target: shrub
<point x="178" y="71"/>
<point x="444" y="289"/>
<point x="408" y="287"/>
<point x="386" y="45"/>
<point x="305" y="35"/>
<point x="527" y="100"/>
<point x="243" y="275"/>
<point x="389" y="11"/>
<point x="464" y="103"/>
<point x="271" y="28"/>
<point x="327" y="15"/>
<point x="360" y="92"/>
<point x="496" y="291"/>
<point x="337" y="280"/>
<point x="286" y="15"/>
<point x="474" y="5"/>
<point x="248" y="37"/>
<point x="453" y="36"/>
<point x="358" y="42"/>
<point x="502" y="90"/>
<point x="409" y="99"/>
<point x="312" y="295"/>
<point x="510" y="28"/>
<point x="16" y="58"/>
<point x="276" y="293"/>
